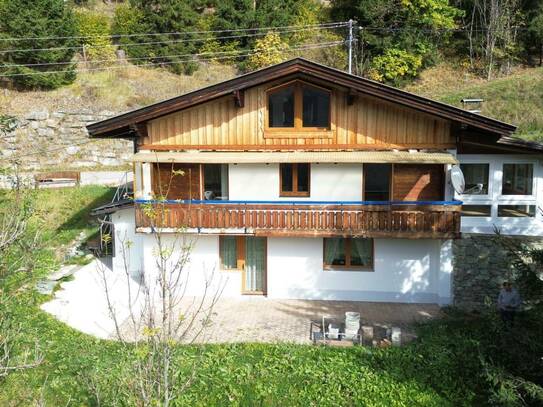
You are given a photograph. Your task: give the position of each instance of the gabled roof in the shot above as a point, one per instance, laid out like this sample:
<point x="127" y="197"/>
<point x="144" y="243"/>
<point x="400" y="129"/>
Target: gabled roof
<point x="122" y="126"/>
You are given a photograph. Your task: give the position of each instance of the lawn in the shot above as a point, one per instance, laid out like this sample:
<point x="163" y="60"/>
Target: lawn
<point x="459" y="360"/>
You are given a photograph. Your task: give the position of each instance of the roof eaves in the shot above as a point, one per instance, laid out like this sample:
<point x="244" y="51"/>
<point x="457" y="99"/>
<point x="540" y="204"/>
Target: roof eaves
<point x="107" y="128"/>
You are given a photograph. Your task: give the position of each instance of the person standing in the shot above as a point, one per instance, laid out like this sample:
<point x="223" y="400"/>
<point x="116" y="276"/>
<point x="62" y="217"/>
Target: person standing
<point x="508" y="303"/>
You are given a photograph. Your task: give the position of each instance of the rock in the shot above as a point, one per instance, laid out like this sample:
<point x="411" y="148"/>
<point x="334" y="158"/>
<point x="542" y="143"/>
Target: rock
<point x="51" y="123"/>
<point x="58" y="115"/>
<point x="46" y="287"/>
<point x="46" y="132"/>
<point x="72" y="150"/>
<point x="63" y="272"/>
<point x="37" y="115"/>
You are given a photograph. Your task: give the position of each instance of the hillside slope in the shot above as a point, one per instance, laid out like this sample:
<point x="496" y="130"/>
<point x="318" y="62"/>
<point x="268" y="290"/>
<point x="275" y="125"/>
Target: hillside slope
<point x="116" y="90"/>
<point x="516" y="99"/>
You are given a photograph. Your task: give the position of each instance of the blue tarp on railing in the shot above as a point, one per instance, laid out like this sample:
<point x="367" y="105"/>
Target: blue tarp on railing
<point x="279" y="202"/>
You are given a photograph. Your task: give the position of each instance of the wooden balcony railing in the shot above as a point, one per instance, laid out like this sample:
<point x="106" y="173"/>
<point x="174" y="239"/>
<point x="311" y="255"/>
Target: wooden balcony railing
<point x="414" y="220"/>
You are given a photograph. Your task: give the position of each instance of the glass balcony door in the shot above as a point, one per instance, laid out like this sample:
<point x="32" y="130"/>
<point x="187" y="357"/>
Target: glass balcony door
<point x="254" y="272"/>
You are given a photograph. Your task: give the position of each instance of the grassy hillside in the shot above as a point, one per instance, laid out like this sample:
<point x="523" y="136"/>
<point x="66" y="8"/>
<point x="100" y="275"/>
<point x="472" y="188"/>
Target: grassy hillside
<point x="115" y="90"/>
<point x="517" y="98"/>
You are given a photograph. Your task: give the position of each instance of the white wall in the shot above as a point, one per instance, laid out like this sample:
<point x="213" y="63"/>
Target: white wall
<point x="202" y="268"/>
<point x="404" y="271"/>
<point x="140" y="251"/>
<point x="329" y="182"/>
<point x="507" y="225"/>
<point x="128" y="244"/>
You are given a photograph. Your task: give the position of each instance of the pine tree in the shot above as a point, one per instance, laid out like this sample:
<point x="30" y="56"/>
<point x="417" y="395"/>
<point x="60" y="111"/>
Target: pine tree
<point x="159" y="16"/>
<point x="38" y="24"/>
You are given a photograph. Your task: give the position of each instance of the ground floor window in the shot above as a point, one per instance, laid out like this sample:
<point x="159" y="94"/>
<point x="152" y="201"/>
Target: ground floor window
<point x="230" y="248"/>
<point x="348" y="253"/>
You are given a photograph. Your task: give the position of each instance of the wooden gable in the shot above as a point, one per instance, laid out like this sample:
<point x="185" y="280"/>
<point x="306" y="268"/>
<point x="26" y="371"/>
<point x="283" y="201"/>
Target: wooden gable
<point x="360" y="122"/>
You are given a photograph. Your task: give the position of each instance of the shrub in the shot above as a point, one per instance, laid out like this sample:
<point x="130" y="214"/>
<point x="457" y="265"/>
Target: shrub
<point x="269" y="50"/>
<point x="395" y="65"/>
<point x="95" y="32"/>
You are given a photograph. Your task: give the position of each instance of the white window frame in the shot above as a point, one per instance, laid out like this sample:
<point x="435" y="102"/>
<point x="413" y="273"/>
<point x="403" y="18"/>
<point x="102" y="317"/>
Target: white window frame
<point x="495" y="196"/>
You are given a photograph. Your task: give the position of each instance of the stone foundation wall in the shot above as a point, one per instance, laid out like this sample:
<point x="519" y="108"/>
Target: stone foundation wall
<point x="59" y="139"/>
<point x="480" y="266"/>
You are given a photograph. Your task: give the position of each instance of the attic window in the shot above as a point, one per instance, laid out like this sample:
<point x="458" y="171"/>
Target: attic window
<point x="298" y="106"/>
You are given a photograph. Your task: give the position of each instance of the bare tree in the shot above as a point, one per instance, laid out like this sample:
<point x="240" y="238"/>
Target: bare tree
<point x="492" y="34"/>
<point x="16" y="208"/>
<point x="160" y="313"/>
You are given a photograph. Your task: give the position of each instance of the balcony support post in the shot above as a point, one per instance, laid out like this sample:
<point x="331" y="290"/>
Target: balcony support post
<point x="146" y="181"/>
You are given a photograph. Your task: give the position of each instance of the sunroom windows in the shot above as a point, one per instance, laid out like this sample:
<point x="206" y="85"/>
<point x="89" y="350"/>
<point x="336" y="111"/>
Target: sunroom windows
<point x="501" y="188"/>
<point x="476" y="177"/>
<point x="517" y="179"/>
<point x="298" y="106"/>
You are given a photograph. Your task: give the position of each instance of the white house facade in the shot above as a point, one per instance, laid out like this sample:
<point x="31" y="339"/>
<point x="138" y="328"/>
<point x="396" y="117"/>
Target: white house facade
<point x="302" y="182"/>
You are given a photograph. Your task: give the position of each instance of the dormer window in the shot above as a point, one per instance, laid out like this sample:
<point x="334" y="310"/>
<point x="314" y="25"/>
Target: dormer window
<point x="298" y="106"/>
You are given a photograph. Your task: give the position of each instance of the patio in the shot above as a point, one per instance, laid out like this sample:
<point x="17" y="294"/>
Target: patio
<point x="243" y="319"/>
<point x="269" y="320"/>
<point x="260" y="319"/>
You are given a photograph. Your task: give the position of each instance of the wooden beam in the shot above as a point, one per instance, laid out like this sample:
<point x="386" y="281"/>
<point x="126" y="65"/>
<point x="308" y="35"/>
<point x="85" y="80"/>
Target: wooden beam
<point x="292" y="147"/>
<point x="351" y="97"/>
<point x="239" y="98"/>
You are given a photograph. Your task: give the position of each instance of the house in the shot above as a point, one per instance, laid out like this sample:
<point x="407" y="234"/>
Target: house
<point x="302" y="181"/>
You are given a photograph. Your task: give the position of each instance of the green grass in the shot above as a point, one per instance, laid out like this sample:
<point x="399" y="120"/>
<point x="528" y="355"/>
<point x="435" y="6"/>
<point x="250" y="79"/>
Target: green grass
<point x="248" y="374"/>
<point x="448" y="366"/>
<point x="516" y="99"/>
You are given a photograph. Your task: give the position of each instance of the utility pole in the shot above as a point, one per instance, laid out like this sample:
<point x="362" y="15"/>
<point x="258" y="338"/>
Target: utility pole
<point x="350" y="42"/>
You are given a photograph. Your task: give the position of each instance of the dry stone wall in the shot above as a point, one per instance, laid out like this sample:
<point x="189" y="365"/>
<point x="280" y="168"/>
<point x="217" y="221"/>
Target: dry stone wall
<point x="59" y="139"/>
<point x="480" y="266"/>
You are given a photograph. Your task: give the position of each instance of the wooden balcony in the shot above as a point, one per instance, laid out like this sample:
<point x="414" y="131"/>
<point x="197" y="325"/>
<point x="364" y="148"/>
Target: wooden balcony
<point x="409" y="220"/>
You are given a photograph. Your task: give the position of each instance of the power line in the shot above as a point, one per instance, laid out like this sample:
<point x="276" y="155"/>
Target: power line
<point x="436" y="30"/>
<point x="338" y="24"/>
<point x="140" y="44"/>
<point x="125" y="59"/>
<point x="44" y="64"/>
<point x="210" y="58"/>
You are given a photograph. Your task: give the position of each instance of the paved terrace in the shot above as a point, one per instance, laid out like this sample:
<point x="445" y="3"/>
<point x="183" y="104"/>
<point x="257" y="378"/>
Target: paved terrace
<point x="258" y="319"/>
<point x="245" y="319"/>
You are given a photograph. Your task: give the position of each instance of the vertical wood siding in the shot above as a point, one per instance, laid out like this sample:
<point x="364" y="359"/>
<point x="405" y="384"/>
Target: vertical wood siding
<point x="367" y="123"/>
<point x="418" y="182"/>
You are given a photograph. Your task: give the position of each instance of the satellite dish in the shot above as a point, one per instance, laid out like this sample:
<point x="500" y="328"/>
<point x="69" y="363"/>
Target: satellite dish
<point x="457" y="179"/>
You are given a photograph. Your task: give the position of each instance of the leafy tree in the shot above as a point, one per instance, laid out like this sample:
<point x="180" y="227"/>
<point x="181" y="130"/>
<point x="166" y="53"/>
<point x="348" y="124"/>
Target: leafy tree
<point x="159" y="16"/>
<point x="395" y="65"/>
<point x="269" y="50"/>
<point x="248" y="14"/>
<point x="411" y="27"/>
<point x="46" y="20"/>
<point x="94" y="30"/>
